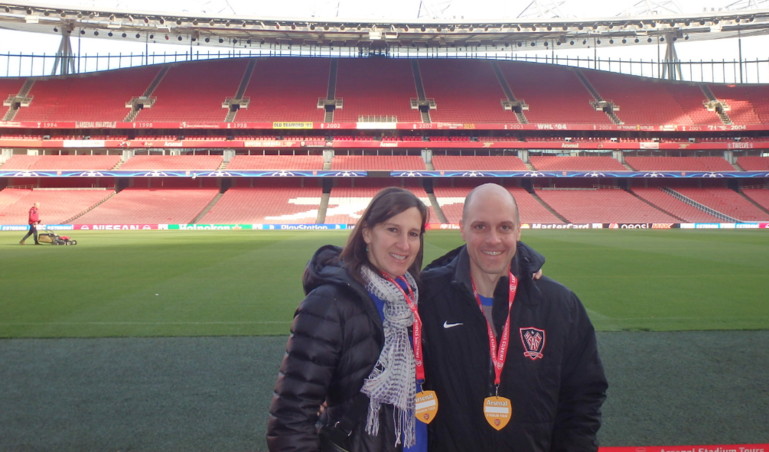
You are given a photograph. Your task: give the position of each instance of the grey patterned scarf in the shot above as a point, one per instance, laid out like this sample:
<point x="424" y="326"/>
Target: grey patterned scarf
<point x="392" y="380"/>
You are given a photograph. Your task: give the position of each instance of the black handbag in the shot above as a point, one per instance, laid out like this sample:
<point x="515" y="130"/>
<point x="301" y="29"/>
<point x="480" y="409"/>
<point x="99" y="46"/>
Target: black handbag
<point x="336" y="438"/>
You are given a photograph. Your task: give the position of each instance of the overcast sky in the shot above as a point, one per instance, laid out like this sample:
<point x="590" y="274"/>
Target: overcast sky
<point x="753" y="48"/>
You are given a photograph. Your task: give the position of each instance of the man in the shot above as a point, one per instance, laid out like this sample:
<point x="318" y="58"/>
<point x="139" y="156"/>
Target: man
<point x="34" y="220"/>
<point x="544" y="387"/>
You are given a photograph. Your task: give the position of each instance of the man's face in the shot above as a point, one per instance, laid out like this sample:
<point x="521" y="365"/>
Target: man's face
<point x="491" y="232"/>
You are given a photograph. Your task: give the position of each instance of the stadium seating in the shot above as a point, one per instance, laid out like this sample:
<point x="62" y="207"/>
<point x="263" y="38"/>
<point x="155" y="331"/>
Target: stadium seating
<point x="471" y="93"/>
<point x="758" y="195"/>
<point x="556" y="163"/>
<point x="97" y="97"/>
<point x="741" y="102"/>
<point x="346" y="204"/>
<point x="276" y="162"/>
<point x="691" y="98"/>
<point x="641" y="100"/>
<point x="56" y="206"/>
<point x="668" y="203"/>
<point x="451" y="200"/>
<point x="375" y="87"/>
<point x="753" y="163"/>
<point x="286" y="89"/>
<point x="20" y="162"/>
<point x="151" y="206"/>
<point x="195" y="91"/>
<point x="602" y="206"/>
<point x="554" y="94"/>
<point x="75" y="162"/>
<point x="173" y="162"/>
<point x="9" y="87"/>
<point x="679" y="164"/>
<point x="266" y="205"/>
<point x="377" y="162"/>
<point x="478" y="163"/>
<point x="726" y="201"/>
<point x="10" y="196"/>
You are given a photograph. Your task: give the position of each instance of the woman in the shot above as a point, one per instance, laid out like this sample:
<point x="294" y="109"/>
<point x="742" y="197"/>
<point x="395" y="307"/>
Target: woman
<point x="351" y="335"/>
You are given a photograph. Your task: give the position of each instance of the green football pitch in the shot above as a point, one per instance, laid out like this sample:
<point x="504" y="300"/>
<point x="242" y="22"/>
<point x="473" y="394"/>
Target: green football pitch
<point x="230" y="283"/>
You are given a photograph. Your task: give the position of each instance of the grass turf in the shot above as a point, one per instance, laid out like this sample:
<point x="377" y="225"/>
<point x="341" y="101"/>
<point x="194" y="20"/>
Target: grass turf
<point x="210" y="283"/>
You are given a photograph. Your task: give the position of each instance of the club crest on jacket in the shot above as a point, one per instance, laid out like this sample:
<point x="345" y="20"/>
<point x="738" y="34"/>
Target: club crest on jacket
<point x="533" y="340"/>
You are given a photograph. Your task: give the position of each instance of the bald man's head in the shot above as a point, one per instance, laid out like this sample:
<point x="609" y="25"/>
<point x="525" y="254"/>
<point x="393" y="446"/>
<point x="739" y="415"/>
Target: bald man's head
<point x="490" y="189"/>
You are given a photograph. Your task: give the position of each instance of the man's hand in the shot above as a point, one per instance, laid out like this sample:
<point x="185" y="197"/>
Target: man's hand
<point x="537" y="275"/>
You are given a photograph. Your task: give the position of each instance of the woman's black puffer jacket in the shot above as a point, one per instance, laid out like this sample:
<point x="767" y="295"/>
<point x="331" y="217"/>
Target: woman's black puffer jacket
<point x="335" y="341"/>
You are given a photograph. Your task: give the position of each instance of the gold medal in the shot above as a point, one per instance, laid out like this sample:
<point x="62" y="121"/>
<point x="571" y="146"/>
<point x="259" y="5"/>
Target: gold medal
<point x="426" y="406"/>
<point x="498" y="411"/>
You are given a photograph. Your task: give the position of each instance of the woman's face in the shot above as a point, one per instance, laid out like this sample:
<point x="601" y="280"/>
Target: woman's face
<point x="393" y="244"/>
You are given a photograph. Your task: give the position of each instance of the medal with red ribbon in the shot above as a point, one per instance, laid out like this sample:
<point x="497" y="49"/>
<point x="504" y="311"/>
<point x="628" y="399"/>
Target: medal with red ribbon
<point x="498" y="410"/>
<point x="426" y="401"/>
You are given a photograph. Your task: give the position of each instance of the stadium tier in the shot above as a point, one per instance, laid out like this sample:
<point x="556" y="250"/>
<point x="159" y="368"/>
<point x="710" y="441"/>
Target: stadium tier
<point x="478" y="163"/>
<point x="286" y="89"/>
<point x="553" y="94"/>
<point x="759" y="196"/>
<point x="647" y="102"/>
<point x="666" y="202"/>
<point x="173" y="162"/>
<point x="464" y="91"/>
<point x="377" y="163"/>
<point x="602" y="206"/>
<point x="195" y="91"/>
<point x="98" y="97"/>
<point x="61" y="162"/>
<point x="150" y="206"/>
<point x="679" y="164"/>
<point x="266" y="205"/>
<point x="725" y="201"/>
<point x="289" y="90"/>
<point x="753" y="163"/>
<point x="56" y="206"/>
<point x="557" y="163"/>
<point x="375" y="88"/>
<point x="276" y="162"/>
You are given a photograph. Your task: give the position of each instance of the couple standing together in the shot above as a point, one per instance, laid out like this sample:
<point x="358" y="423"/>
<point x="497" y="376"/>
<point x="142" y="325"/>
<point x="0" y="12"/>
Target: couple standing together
<point x="477" y="352"/>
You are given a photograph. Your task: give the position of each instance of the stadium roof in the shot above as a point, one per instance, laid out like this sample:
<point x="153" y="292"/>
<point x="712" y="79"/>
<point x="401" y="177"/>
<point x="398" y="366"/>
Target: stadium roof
<point x="227" y="31"/>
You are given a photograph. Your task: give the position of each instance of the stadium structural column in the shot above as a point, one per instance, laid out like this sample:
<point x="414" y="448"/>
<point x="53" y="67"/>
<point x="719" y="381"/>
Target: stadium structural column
<point x="671" y="67"/>
<point x="65" y="58"/>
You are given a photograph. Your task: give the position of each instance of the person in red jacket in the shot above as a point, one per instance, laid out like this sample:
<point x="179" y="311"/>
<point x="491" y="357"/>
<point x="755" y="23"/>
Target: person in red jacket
<point x="34" y="220"/>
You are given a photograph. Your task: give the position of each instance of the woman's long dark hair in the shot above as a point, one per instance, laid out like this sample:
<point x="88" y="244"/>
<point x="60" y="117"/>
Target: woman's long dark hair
<point x="387" y="203"/>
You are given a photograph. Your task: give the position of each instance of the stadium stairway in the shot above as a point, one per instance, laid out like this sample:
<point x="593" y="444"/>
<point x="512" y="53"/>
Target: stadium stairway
<point x="331" y="91"/>
<point x="240" y="92"/>
<point x="656" y="206"/>
<point x="75" y="217"/>
<point x="323" y="208"/>
<point x="546" y="206"/>
<point x="699" y="206"/>
<point x="437" y="207"/>
<point x="597" y="97"/>
<point x="754" y="202"/>
<point x="136" y="106"/>
<point x="15" y="103"/>
<point x="205" y="210"/>
<point x="712" y="97"/>
<point x="509" y="93"/>
<point x="420" y="90"/>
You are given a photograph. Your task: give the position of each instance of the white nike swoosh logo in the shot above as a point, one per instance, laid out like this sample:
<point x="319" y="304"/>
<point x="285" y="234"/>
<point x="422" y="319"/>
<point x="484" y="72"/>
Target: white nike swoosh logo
<point x="446" y="324"/>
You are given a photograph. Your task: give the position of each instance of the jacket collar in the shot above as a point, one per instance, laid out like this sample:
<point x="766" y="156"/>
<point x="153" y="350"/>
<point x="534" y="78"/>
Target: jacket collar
<point x="461" y="276"/>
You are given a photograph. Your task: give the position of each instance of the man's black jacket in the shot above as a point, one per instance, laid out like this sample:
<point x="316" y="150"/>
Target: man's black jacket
<point x="556" y="389"/>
